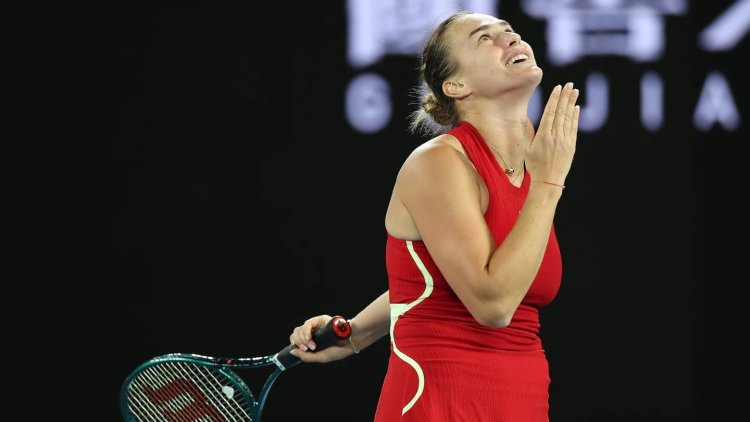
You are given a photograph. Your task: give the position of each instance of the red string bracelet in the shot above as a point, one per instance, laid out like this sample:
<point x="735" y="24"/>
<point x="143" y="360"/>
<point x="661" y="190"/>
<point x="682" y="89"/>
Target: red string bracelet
<point x="549" y="183"/>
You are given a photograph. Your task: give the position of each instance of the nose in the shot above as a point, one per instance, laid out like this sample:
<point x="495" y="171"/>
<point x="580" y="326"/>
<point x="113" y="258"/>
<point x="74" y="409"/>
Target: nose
<point x="510" y="39"/>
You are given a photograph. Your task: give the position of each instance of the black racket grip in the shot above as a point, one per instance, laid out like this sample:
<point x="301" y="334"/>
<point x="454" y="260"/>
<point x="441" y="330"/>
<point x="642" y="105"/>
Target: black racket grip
<point x="335" y="330"/>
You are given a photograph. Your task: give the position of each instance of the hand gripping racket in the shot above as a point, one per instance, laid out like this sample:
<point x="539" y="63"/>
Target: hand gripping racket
<point x="183" y="387"/>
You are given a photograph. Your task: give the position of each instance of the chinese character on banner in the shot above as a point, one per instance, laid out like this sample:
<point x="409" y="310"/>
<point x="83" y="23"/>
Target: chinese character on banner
<point x="579" y="28"/>
<point x="378" y="28"/>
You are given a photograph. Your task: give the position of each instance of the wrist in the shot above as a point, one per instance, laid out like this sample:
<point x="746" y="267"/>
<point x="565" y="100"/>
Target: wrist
<point x="355" y="349"/>
<point x="559" y="185"/>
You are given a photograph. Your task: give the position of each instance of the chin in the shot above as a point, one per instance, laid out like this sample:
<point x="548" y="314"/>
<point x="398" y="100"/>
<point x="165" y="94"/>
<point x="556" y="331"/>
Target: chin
<point x="539" y="72"/>
<point x="535" y="76"/>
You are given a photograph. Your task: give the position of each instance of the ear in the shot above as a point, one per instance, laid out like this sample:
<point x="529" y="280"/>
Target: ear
<point x="455" y="89"/>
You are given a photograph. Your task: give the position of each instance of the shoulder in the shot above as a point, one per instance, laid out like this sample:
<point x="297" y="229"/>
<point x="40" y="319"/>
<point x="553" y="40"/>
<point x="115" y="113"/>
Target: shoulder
<point x="440" y="163"/>
<point x="441" y="153"/>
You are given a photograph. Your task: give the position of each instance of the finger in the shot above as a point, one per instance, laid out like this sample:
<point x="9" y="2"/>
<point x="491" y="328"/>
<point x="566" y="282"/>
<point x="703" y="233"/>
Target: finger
<point x="305" y="356"/>
<point x="300" y="354"/>
<point x="569" y="112"/>
<point x="562" y="107"/>
<point x="298" y="339"/>
<point x="307" y="330"/>
<point x="548" y="117"/>
<point x="313" y="324"/>
<point x="574" y="125"/>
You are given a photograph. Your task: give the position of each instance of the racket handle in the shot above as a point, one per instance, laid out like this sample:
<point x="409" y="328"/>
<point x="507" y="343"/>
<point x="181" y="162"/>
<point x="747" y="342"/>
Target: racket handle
<point x="335" y="330"/>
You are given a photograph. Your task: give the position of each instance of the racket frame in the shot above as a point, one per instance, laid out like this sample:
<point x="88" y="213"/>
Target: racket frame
<point x="337" y="329"/>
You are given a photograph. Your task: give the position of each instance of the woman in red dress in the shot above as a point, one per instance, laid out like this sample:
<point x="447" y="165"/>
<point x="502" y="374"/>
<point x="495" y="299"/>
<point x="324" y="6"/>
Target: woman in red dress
<point x="471" y="250"/>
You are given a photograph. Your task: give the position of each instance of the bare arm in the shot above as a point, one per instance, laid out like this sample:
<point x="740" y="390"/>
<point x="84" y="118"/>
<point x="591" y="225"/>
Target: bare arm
<point x="369" y="325"/>
<point x="439" y="189"/>
<point x="372" y="323"/>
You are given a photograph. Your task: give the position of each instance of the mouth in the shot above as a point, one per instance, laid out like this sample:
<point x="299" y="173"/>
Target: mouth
<point x="518" y="58"/>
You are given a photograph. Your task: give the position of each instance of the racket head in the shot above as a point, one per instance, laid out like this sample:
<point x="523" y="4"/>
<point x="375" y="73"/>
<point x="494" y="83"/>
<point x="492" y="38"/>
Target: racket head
<point x="186" y="388"/>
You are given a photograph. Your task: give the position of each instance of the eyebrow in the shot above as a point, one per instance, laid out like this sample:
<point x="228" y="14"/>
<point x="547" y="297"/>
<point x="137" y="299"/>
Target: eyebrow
<point x="487" y="25"/>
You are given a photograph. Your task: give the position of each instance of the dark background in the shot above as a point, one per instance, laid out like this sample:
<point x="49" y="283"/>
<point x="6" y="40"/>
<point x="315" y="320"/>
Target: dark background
<point x="185" y="180"/>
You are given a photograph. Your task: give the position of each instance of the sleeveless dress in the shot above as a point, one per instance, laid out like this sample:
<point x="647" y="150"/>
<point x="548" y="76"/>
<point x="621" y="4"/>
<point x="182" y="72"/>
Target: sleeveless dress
<point x="444" y="365"/>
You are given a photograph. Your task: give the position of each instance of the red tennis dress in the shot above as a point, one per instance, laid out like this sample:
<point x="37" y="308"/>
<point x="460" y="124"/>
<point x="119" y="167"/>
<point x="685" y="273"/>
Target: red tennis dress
<point x="444" y="365"/>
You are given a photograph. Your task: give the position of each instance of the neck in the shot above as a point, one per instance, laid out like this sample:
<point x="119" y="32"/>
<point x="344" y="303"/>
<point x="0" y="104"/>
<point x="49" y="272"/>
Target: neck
<point x="502" y="120"/>
<point x="508" y="130"/>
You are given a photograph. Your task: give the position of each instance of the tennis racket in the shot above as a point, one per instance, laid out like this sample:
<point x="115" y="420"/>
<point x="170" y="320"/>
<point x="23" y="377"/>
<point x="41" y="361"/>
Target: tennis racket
<point x="183" y="387"/>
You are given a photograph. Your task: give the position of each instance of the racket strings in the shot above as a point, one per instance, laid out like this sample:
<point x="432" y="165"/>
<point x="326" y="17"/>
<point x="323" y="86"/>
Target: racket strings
<point x="173" y="396"/>
<point x="224" y="397"/>
<point x="192" y="393"/>
<point x="186" y="392"/>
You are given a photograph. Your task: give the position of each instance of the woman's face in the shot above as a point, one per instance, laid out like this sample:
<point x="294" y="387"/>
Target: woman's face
<point x="492" y="59"/>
